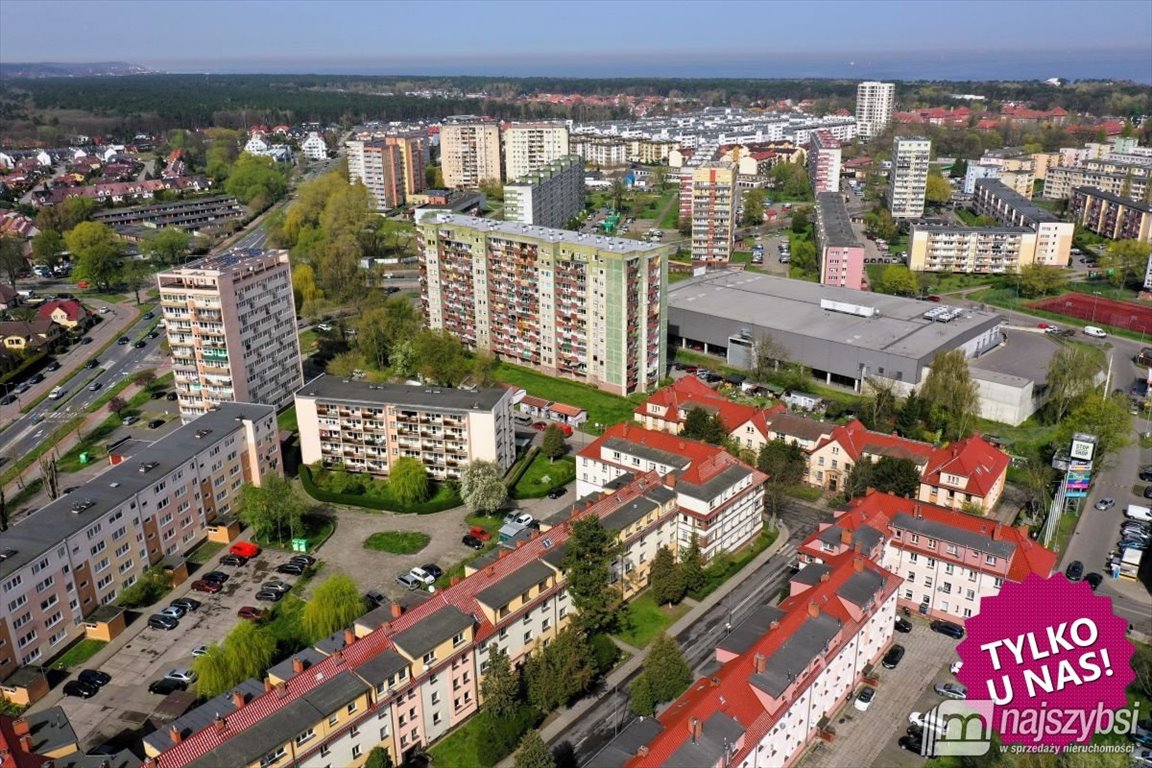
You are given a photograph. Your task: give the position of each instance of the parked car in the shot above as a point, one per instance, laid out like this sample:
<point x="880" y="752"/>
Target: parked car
<point x="948" y="628"/>
<point x="175" y="611"/>
<point x="244" y="549"/>
<point x="408" y="581"/>
<point x="1148" y="491"/>
<point x="94" y="677"/>
<point x="472" y="542"/>
<point x="557" y="492"/>
<point x="233" y="560"/>
<point x="1093" y="580"/>
<point x="200" y="650"/>
<point x="211" y="587"/>
<point x="1094" y="332"/>
<point x="903" y="625"/>
<point x="82" y="690"/>
<point x="250" y="612"/>
<point x="305" y="560"/>
<point x="864" y="698"/>
<point x="291" y="569"/>
<point x="892" y="658"/>
<point x="182" y="675"/>
<point x="7" y="399"/>
<point x="155" y="423"/>
<point x="160" y="621"/>
<point x="375" y="598"/>
<point x="432" y="570"/>
<point x="187" y="603"/>
<point x="129" y="420"/>
<point x="36" y="378"/>
<point x="539" y="426"/>
<point x="955" y="668"/>
<point x="1105" y="503"/>
<point x="422" y="576"/>
<point x="53" y="366"/>
<point x="479" y="533"/>
<point x="1074" y="571"/>
<point x="951" y="690"/>
<point x="277" y="585"/>
<point x="522" y="519"/>
<point x="123" y="340"/>
<point x="171" y="396"/>
<point x="164" y="686"/>
<point x="269" y="596"/>
<point x="217" y="576"/>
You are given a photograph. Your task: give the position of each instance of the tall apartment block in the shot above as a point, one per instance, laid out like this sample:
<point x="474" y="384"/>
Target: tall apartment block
<point x="568" y="304"/>
<point x="75" y="554"/>
<point x="550" y="196"/>
<point x="528" y="147"/>
<point x="231" y="325"/>
<point x="1111" y="216"/>
<point x="841" y="253"/>
<point x="366" y="427"/>
<point x="413" y="150"/>
<point x="379" y="166"/>
<point x="908" y="179"/>
<point x="824" y="162"/>
<point x="469" y="152"/>
<point x="714" y="195"/>
<point x="1011" y="209"/>
<point x="874" y="103"/>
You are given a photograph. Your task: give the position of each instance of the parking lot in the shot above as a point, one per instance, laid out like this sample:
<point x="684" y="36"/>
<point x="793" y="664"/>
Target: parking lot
<point x="125" y="702"/>
<point x="869" y="738"/>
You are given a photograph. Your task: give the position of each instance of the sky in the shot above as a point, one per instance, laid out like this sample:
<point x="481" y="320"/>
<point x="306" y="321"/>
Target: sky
<point x="796" y="38"/>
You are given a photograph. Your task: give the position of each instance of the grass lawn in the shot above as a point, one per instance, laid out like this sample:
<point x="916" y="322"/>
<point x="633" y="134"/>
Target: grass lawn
<point x="205" y="552"/>
<point x="309" y="340"/>
<point x="672" y="218"/>
<point x="286" y="421"/>
<point x="646" y="620"/>
<point x="373" y="494"/>
<point x="461" y="748"/>
<point x="603" y="407"/>
<point x="79" y="653"/>
<point x="543" y="475"/>
<point x="725" y="566"/>
<point x="397" y="542"/>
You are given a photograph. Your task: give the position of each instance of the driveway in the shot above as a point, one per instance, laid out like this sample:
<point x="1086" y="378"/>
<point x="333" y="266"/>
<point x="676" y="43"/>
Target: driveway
<point x="869" y="738"/>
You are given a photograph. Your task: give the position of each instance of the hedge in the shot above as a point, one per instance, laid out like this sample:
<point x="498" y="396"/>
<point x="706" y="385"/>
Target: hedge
<point x="520" y="468"/>
<point x="371" y="502"/>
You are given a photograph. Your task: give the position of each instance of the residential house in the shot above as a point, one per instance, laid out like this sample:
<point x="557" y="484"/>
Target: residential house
<point x="29" y="335"/>
<point x="9" y="297"/>
<point x="67" y="313"/>
<point x="949" y="560"/>
<point x="831" y="461"/>
<point x="966" y="473"/>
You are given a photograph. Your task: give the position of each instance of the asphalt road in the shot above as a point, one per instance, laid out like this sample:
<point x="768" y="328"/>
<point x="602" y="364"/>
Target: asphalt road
<point x="611" y="714"/>
<point x="116" y="363"/>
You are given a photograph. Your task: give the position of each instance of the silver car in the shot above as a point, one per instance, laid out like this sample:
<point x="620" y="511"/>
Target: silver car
<point x="951" y="690"/>
<point x="408" y="581"/>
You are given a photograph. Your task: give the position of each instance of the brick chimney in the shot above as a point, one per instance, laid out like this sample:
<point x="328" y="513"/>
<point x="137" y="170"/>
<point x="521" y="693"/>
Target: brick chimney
<point x="26" y="744"/>
<point x="759" y="662"/>
<point x="695" y="729"/>
<point x="845" y="536"/>
<point x="281" y="690"/>
<point x="338" y="656"/>
<point x="642" y="751"/>
<point x="773" y="625"/>
<point x="997" y="534"/>
<point x="824" y="577"/>
<point x="503" y="553"/>
<point x="813" y="609"/>
<point x="535" y="534"/>
<point x="238" y="700"/>
<point x="297" y="665"/>
<point x="398" y="610"/>
<point x="268" y="685"/>
<point x="220" y="724"/>
<point x="175" y="734"/>
<point x="858" y="563"/>
<point x="349" y="636"/>
<point x="520" y="544"/>
<point x="21" y="727"/>
<point x="150" y="762"/>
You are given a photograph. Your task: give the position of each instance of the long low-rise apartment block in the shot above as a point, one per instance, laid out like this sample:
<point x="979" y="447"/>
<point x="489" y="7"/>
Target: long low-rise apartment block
<point x="841" y="252"/>
<point x="1011" y="209"/>
<point x="939" y="246"/>
<point x="77" y="553"/>
<point x="1111" y="216"/>
<point x="568" y="304"/>
<point x="365" y="427"/>
<point x="198" y="214"/>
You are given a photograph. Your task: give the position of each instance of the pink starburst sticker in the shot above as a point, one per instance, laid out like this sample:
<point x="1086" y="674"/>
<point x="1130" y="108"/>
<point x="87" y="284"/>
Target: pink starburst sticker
<point x="1052" y="659"/>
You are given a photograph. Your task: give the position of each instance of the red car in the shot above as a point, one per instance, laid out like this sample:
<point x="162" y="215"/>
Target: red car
<point x="1044" y="326"/>
<point x="244" y="549"/>
<point x="566" y="429"/>
<point x="539" y="426"/>
<point x="211" y="587"/>
<point x="250" y="612"/>
<point x="480" y="533"/>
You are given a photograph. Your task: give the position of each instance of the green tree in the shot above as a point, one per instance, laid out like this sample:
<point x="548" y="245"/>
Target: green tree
<point x="534" y="753"/>
<point x="304" y="289"/>
<point x="1038" y="280"/>
<point x="47" y="247"/>
<point x="482" y="487"/>
<point x="441" y="358"/>
<point x="1105" y="417"/>
<point x="666" y="579"/>
<point x="97" y="251"/>
<point x="245" y="652"/>
<point x="753" y="208"/>
<point x="897" y="476"/>
<point x="801" y="220"/>
<point x="804" y="260"/>
<point x="12" y="261"/>
<point x="880" y="223"/>
<point x="168" y="246"/>
<point x="552" y="442"/>
<point x="641" y="698"/>
<point x="859" y="480"/>
<point x="559" y="672"/>
<point x="951" y="394"/>
<point x="791" y="180"/>
<point x="618" y="192"/>
<point x="591" y="550"/>
<point x="667" y="669"/>
<point x="256" y="181"/>
<point x="500" y="687"/>
<point x="271" y="507"/>
<point x="692" y="563"/>
<point x="137" y="274"/>
<point x="959" y="169"/>
<point x="938" y="191"/>
<point x="1125" y="258"/>
<point x="786" y="466"/>
<point x="380" y="330"/>
<point x="908" y="420"/>
<point x="408" y="481"/>
<point x="378" y="757"/>
<point x="1072" y="373"/>
<point x="701" y="425"/>
<point x="335" y="604"/>
<point x="898" y="280"/>
<point x="65" y="215"/>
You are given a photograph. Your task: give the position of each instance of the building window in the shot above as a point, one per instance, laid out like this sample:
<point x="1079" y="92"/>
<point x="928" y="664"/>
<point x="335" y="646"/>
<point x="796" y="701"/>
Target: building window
<point x="272" y="757"/>
<point x="355" y="750"/>
<point x="305" y="737"/>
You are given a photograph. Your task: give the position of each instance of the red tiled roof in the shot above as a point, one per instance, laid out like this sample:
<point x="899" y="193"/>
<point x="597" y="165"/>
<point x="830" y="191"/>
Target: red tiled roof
<point x="693" y="450"/>
<point x="566" y="410"/>
<point x="972" y="457"/>
<point x="11" y="755"/>
<point x="856" y="439"/>
<point x="72" y="308"/>
<point x="727" y="690"/>
<point x="535" y="402"/>
<point x="689" y="392"/>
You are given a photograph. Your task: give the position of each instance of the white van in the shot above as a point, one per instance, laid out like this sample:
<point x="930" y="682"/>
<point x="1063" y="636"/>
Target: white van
<point x="1094" y="332"/>
<point x="1137" y="512"/>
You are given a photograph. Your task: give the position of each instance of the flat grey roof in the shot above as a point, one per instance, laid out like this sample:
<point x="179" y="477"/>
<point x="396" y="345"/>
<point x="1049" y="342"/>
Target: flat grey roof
<point x="622" y="749"/>
<point x="515" y="583"/>
<point x="748" y="632"/>
<point x="325" y="387"/>
<point x="861" y="587"/>
<point x="833" y="217"/>
<point x="793" y="306"/>
<point x="227" y="260"/>
<point x="543" y="234"/>
<point x="938" y="225"/>
<point x="1023" y="205"/>
<point x="646" y="452"/>
<point x="1125" y="201"/>
<point x="442" y="625"/>
<point x="708" y="490"/>
<point x="1025" y="357"/>
<point x="43" y="530"/>
<point x="970" y="539"/>
<point x="797" y="652"/>
<point x="628" y="513"/>
<point x="50" y="730"/>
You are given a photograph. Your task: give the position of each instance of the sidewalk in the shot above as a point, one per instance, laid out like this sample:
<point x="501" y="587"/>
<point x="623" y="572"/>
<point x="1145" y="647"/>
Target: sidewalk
<point x="619" y="676"/>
